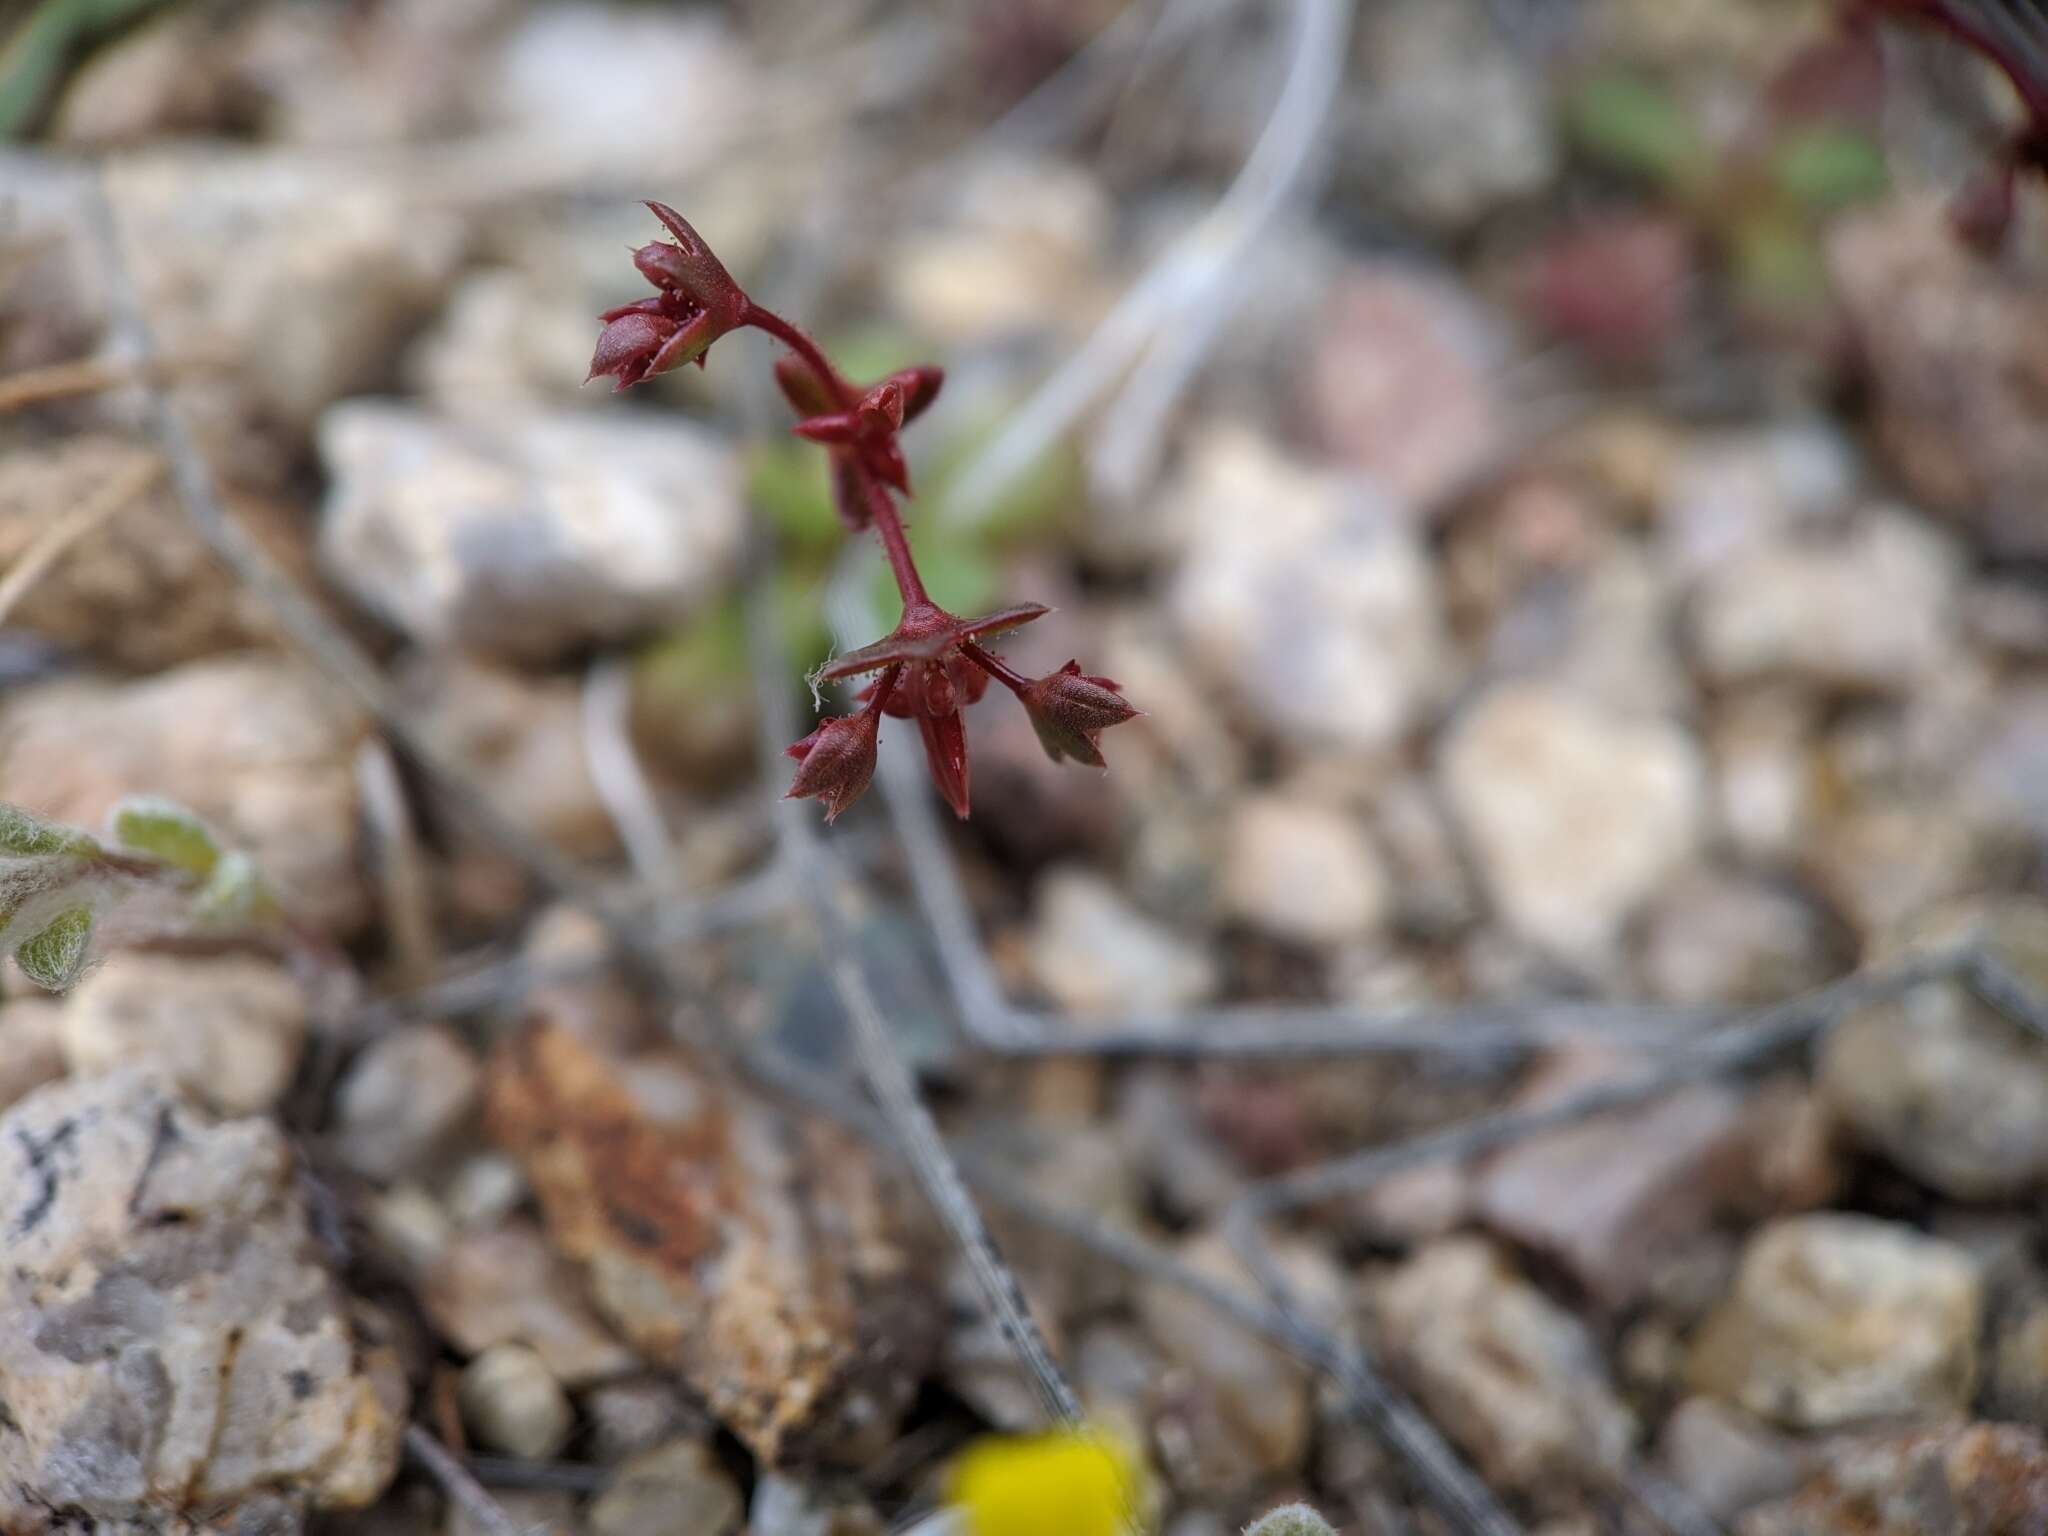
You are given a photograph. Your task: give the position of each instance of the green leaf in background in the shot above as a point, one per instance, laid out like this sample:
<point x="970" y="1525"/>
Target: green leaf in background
<point x="1634" y="125"/>
<point x="1777" y="264"/>
<point x="791" y="483"/>
<point x="30" y="837"/>
<point x="54" y="957"/>
<point x="959" y="569"/>
<point x="1829" y="166"/>
<point x="1037" y="502"/>
<point x="167" y="832"/>
<point x="33" y="61"/>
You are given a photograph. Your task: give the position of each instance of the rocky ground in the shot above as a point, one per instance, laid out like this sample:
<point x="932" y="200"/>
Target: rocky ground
<point x="1597" y="561"/>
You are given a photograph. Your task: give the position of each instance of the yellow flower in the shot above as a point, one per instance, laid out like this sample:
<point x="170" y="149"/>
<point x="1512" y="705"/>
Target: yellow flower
<point x="1062" y="1483"/>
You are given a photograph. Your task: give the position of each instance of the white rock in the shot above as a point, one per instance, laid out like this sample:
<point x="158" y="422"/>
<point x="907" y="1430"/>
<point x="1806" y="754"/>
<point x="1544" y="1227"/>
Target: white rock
<point x="511" y="1403"/>
<point x="1093" y="953"/>
<point x="1301" y="871"/>
<point x="621" y="81"/>
<point x="167" y="1338"/>
<point x="1515" y="1378"/>
<point x="31" y="1046"/>
<point x="1875" y="610"/>
<point x="306" y="278"/>
<point x="227" y="1031"/>
<point x="529" y="536"/>
<point x="402" y="1098"/>
<point x="1837" y="1318"/>
<point x="1307" y="595"/>
<point x="1575" y="814"/>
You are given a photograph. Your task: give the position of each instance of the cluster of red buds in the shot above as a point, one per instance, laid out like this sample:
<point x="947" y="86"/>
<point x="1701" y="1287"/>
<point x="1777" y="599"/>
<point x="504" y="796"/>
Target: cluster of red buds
<point x="2013" y="36"/>
<point x="933" y="665"/>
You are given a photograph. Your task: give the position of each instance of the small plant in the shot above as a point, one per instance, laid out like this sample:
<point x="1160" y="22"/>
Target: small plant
<point x="2013" y="36"/>
<point x="57" y="884"/>
<point x="934" y="663"/>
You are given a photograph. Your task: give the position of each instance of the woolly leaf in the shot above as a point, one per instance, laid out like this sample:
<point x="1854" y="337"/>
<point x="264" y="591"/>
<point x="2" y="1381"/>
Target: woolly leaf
<point x="54" y="957"/>
<point x="31" y="837"/>
<point x="168" y="832"/>
<point x="1291" y="1520"/>
<point x="234" y="895"/>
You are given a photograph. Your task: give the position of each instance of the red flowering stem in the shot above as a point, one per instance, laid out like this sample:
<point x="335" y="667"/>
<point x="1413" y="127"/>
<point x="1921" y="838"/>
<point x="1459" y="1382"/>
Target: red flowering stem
<point x="762" y="319"/>
<point x="895" y="543"/>
<point x="996" y="668"/>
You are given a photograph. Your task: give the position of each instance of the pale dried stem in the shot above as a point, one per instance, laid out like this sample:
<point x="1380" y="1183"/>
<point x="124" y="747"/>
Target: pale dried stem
<point x="73" y="524"/>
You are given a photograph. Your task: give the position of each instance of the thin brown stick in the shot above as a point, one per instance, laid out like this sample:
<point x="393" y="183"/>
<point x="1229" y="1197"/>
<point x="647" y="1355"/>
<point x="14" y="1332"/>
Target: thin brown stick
<point x="73" y="524"/>
<point x="58" y="381"/>
<point x="463" y="1490"/>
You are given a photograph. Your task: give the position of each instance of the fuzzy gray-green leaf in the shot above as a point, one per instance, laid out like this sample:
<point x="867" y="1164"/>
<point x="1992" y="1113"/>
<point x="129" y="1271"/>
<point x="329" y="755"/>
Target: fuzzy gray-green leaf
<point x="168" y="832"/>
<point x="54" y="957"/>
<point x="31" y="837"/>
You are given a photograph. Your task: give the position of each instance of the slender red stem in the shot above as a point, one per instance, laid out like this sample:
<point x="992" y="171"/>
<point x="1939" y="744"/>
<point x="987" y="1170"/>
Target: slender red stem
<point x="895" y="543"/>
<point x="996" y="668"/>
<point x="884" y="686"/>
<point x="762" y="319"/>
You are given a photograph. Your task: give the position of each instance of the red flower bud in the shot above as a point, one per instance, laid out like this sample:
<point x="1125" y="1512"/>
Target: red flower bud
<point x="836" y="761"/>
<point x="945" y="753"/>
<point x="698" y="303"/>
<point x="1071" y="710"/>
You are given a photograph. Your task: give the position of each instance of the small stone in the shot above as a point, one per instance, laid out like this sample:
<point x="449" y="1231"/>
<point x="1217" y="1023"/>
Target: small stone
<point x="485" y="1190"/>
<point x="627" y="1417"/>
<point x="1317" y="609"/>
<point x="309" y="279"/>
<point x="168" y="1340"/>
<point x="1941" y="1083"/>
<point x="527" y="537"/>
<point x="1401" y="384"/>
<point x="1726" y="1460"/>
<point x="402" y="1098"/>
<point x="1971" y="1480"/>
<point x="1093" y="953"/>
<point x="260" y="748"/>
<point x="1731" y="494"/>
<point x="522" y="737"/>
<point x="1712" y="937"/>
<point x="2016" y="1358"/>
<point x="31" y="1046"/>
<point x="1576" y="814"/>
<point x="1766" y="791"/>
<point x="1244" y="1415"/>
<point x="1515" y="1378"/>
<point x="508" y="1286"/>
<point x="1019" y="253"/>
<point x="409" y="1225"/>
<point x="1448" y="122"/>
<point x="785" y="1507"/>
<point x="1301" y="871"/>
<point x="594" y="1002"/>
<point x="1615" y="1197"/>
<point x="228" y="1031"/>
<point x="511" y="1403"/>
<point x="1872" y="610"/>
<point x="1957" y="353"/>
<point x="677" y="1489"/>
<point x="1837" y="1318"/>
